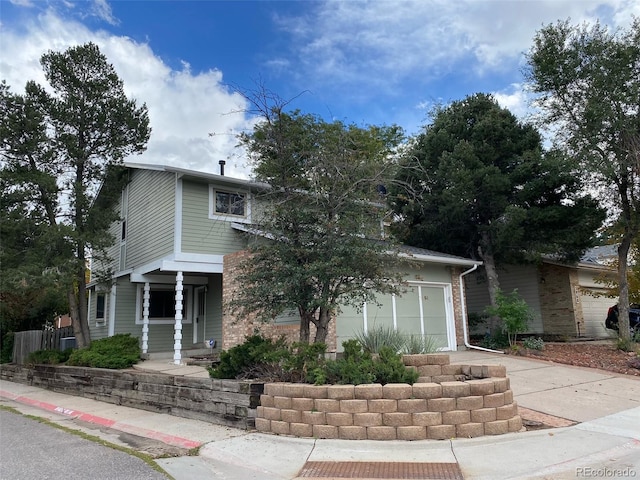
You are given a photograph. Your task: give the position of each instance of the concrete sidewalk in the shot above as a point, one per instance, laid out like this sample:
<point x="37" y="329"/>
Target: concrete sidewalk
<point x="606" y="442"/>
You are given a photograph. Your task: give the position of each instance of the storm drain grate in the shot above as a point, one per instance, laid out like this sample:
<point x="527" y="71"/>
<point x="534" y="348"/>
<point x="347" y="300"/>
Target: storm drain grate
<point x="382" y="470"/>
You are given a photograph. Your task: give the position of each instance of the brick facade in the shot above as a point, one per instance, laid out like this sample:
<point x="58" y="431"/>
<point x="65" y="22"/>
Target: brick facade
<point x="235" y="330"/>
<point x="457" y="305"/>
<point x="558" y="290"/>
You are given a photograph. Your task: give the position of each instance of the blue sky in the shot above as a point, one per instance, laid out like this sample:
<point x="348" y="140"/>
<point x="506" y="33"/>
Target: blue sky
<point x="362" y="62"/>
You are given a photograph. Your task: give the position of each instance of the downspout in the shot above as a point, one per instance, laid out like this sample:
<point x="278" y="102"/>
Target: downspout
<point x="464" y="315"/>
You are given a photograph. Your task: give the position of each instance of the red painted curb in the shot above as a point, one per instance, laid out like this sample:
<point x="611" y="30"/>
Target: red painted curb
<point x="105" y="422"/>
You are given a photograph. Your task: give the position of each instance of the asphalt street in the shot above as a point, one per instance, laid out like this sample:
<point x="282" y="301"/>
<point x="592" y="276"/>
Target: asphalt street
<point x="30" y="450"/>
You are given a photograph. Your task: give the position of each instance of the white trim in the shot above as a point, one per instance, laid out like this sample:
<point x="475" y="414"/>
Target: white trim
<point x="112" y="311"/>
<point x="365" y="318"/>
<point x="450" y="318"/>
<point x="451" y="325"/>
<point x="102" y="321"/>
<point x="394" y="313"/>
<point x="177" y="224"/>
<point x="438" y="259"/>
<point x="173" y="266"/>
<point x="213" y="215"/>
<point x="169" y="280"/>
<point x="182" y="262"/>
<point x="197" y="257"/>
<point x="421" y="306"/>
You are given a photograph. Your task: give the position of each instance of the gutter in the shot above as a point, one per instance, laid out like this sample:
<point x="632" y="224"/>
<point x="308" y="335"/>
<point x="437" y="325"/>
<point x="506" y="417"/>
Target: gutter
<point x="464" y="315"/>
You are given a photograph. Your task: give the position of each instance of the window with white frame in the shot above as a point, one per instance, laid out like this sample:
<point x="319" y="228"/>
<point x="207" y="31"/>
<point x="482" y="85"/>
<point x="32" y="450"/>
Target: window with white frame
<point x="162" y="304"/>
<point x="101" y="307"/>
<point x="228" y="205"/>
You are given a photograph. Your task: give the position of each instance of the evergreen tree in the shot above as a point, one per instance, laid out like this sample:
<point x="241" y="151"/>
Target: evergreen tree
<point x="59" y="147"/>
<point x="483" y="187"/>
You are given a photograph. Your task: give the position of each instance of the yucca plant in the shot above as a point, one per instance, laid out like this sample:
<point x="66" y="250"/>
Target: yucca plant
<point x="381" y="336"/>
<point x="417" y="344"/>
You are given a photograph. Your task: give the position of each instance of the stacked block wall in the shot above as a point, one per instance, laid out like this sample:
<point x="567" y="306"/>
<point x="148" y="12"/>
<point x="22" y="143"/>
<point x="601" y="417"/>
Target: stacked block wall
<point x="447" y="401"/>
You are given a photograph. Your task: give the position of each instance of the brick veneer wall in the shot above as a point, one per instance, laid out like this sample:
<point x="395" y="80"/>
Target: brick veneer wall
<point x="235" y="329"/>
<point x="457" y="305"/>
<point x="447" y="401"/>
<point x="557" y="300"/>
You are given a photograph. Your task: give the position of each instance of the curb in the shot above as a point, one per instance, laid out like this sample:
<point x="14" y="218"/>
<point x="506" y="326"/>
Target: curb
<point x="172" y="440"/>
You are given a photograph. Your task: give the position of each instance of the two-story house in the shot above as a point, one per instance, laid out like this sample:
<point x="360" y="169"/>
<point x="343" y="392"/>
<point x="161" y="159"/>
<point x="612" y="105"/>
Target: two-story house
<point x="178" y="244"/>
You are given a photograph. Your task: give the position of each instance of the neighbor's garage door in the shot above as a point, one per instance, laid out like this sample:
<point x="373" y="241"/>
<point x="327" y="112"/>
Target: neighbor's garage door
<point x="594" y="312"/>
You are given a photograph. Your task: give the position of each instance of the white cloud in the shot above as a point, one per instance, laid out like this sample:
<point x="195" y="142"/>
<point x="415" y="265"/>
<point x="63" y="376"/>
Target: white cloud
<point x="183" y="108"/>
<point x="385" y="42"/>
<point x="102" y="10"/>
<point x="515" y="99"/>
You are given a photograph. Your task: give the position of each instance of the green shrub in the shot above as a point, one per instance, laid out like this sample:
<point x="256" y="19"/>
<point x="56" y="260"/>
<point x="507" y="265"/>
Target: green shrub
<point x="416" y="344"/>
<point x="514" y="313"/>
<point x="626" y="344"/>
<point x="254" y="354"/>
<point x="496" y="341"/>
<point x="388" y="368"/>
<point x="116" y="352"/>
<point x="304" y="358"/>
<point x="358" y="366"/>
<point x="49" y="357"/>
<point x="533" y="343"/>
<point x="6" y="350"/>
<point x="380" y="336"/>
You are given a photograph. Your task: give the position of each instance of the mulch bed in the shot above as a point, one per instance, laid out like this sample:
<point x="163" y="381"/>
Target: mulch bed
<point x="591" y="355"/>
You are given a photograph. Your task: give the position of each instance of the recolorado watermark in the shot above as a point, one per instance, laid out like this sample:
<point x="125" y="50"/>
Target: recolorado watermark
<point x="605" y="472"/>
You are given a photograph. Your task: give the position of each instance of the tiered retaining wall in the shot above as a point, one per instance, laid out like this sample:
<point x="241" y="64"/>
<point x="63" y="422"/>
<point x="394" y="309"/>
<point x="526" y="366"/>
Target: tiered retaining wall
<point x="447" y="401"/>
<point x="223" y="402"/>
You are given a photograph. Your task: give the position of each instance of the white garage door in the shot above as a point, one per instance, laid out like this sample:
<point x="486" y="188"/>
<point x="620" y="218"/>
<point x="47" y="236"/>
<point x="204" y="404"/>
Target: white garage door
<point x="421" y="309"/>
<point x="594" y="311"/>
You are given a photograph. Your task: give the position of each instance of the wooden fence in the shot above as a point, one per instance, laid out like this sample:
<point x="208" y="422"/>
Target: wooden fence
<point x="26" y="342"/>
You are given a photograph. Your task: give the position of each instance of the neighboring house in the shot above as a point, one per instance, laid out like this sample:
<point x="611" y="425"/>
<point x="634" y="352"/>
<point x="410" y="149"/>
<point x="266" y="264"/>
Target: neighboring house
<point x="566" y="299"/>
<point x="62" y="321"/>
<point x="178" y="243"/>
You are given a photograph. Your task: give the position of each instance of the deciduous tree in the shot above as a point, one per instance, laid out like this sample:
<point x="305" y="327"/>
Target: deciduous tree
<point x="314" y="246"/>
<point x="587" y="85"/>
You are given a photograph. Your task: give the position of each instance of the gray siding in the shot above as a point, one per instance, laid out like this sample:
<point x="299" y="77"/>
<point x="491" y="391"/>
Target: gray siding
<point x="522" y="277"/>
<point x="200" y="234"/>
<point x="151" y="216"/>
<point x="98" y="331"/>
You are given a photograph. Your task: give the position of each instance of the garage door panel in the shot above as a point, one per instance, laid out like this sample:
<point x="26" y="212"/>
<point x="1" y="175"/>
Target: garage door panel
<point x="408" y="311"/>
<point x="594" y="312"/>
<point x="418" y="308"/>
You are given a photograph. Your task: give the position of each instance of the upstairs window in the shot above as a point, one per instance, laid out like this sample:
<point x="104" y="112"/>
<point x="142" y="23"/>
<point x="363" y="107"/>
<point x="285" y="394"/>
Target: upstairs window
<point x="228" y="205"/>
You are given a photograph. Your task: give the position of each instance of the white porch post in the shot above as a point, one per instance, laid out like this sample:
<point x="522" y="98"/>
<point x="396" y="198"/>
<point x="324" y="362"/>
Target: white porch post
<point x="177" y="336"/>
<point x="145" y="317"/>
